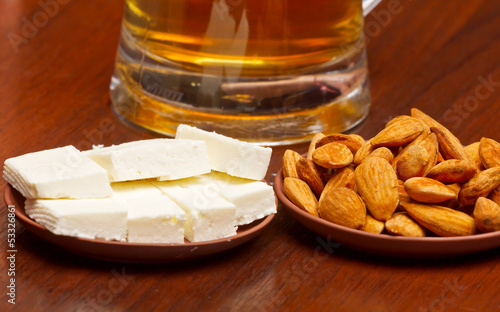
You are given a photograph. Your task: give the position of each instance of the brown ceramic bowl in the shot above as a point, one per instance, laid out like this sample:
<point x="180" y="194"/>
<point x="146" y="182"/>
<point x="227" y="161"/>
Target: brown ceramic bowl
<point x="133" y="252"/>
<point x="385" y="244"/>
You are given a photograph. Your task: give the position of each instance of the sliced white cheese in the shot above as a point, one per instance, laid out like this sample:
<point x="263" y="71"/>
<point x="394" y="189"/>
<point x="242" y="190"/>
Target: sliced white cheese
<point x="155" y="219"/>
<point x="165" y="158"/>
<point x="208" y="217"/>
<point x="253" y="199"/>
<point x="57" y="173"/>
<point x="87" y="218"/>
<point x="237" y="158"/>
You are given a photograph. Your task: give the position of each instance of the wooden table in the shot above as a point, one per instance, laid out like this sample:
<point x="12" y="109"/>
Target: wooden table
<point x="440" y="57"/>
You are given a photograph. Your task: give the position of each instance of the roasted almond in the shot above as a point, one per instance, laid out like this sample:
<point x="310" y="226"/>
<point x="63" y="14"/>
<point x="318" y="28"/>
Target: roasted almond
<point x="363" y="153"/>
<point x="383" y="152"/>
<point x="299" y="193"/>
<point x="332" y="155"/>
<point x="311" y="174"/>
<point x="377" y="184"/>
<point x="358" y="138"/>
<point x="426" y="119"/>
<point x="425" y="140"/>
<point x="372" y="225"/>
<point x="399" y="133"/>
<point x="413" y="162"/>
<point x="289" y="162"/>
<point x="342" y="206"/>
<point x="449" y="146"/>
<point x="312" y="145"/>
<point x="351" y="142"/>
<point x="473" y="151"/>
<point x="402" y="224"/>
<point x="480" y="185"/>
<point x="487" y="215"/>
<point x="343" y="177"/>
<point x="428" y="190"/>
<point x="452" y="171"/>
<point x="489" y="153"/>
<point x="452" y="148"/>
<point x="397" y="119"/>
<point x="441" y="220"/>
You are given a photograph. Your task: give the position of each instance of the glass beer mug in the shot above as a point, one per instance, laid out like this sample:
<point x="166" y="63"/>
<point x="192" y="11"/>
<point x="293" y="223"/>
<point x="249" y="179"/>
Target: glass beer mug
<point x="266" y="71"/>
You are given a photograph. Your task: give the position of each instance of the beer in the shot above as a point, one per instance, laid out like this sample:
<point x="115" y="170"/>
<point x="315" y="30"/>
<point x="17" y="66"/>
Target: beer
<point x="251" y="69"/>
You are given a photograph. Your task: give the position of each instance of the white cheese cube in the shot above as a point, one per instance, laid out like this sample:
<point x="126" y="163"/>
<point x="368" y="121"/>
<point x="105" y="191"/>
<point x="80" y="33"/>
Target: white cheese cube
<point x="253" y="199"/>
<point x="208" y="218"/>
<point x="165" y="158"/>
<point x="87" y="218"/>
<point x="155" y="219"/>
<point x="237" y="158"/>
<point x="57" y="173"/>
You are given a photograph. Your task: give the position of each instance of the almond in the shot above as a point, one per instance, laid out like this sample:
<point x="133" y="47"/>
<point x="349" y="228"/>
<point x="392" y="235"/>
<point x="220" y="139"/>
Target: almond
<point x="413" y="162"/>
<point x="399" y="133"/>
<point x="332" y="155"/>
<point x="402" y="224"/>
<point x="426" y="119"/>
<point x="340" y="178"/>
<point x="480" y="185"/>
<point x="289" y="162"/>
<point x="441" y="220"/>
<point x="449" y="146"/>
<point x="428" y="190"/>
<point x="358" y="138"/>
<point x="342" y="206"/>
<point x="311" y="174"/>
<point x="489" y="153"/>
<point x="299" y="193"/>
<point x="372" y="225"/>
<point x="377" y="185"/>
<point x="363" y="153"/>
<point x="487" y="215"/>
<point x="397" y="119"/>
<point x="351" y="142"/>
<point x="383" y="152"/>
<point x="427" y="141"/>
<point x="430" y="143"/>
<point x="452" y="171"/>
<point x="453" y="149"/>
<point x="473" y="151"/>
<point x="312" y="145"/>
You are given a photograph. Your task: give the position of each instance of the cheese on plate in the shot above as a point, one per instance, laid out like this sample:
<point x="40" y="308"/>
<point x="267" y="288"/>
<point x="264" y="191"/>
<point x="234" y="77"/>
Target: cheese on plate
<point x="57" y="173"/>
<point x="86" y="218"/>
<point x="166" y="159"/>
<point x="236" y="158"/>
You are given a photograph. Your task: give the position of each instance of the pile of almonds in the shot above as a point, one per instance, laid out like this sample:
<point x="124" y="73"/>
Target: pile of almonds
<point x="413" y="176"/>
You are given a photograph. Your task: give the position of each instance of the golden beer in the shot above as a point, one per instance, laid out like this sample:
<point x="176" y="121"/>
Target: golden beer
<point x="269" y="71"/>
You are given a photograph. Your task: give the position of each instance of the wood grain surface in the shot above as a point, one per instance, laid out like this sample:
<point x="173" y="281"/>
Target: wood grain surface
<point x="439" y="56"/>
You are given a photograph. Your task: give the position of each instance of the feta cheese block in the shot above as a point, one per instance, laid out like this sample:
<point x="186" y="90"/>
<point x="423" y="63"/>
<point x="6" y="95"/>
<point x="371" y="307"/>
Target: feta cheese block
<point x="86" y="218"/>
<point x="166" y="158"/>
<point x="134" y="189"/>
<point x="253" y="199"/>
<point x="57" y="173"/>
<point x="237" y="158"/>
<point x="208" y="217"/>
<point x="155" y="219"/>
